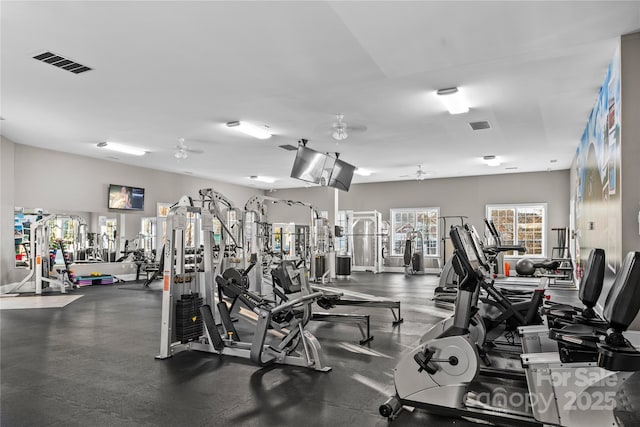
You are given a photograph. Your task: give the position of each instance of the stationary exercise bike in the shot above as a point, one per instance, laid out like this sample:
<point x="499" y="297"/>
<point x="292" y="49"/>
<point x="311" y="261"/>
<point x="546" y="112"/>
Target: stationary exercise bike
<point x="442" y="375"/>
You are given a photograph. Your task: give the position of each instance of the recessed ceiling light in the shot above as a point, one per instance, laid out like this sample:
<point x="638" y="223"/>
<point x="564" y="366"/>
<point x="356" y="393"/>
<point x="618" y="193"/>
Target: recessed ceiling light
<point x="266" y="179"/>
<point x="251" y="130"/>
<point x="363" y="172"/>
<point x="120" y="148"/>
<point x="491" y="160"/>
<point x="453" y="100"/>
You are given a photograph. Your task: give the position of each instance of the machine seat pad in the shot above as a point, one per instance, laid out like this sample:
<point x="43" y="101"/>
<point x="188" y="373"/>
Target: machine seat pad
<point x="625" y="358"/>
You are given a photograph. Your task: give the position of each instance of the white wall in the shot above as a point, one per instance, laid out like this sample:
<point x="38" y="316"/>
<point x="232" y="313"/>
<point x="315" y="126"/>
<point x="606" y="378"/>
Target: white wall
<point x="61" y="182"/>
<point x="7" y="249"/>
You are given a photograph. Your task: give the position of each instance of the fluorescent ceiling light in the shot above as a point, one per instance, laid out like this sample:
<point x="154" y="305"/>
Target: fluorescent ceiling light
<point x="491" y="160"/>
<point x="121" y="148"/>
<point x="251" y="130"/>
<point x="363" y="172"/>
<point x="453" y="100"/>
<point x="266" y="179"/>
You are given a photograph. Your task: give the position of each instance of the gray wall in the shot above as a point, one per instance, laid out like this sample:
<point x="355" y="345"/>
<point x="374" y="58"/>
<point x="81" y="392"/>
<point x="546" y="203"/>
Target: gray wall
<point x="454" y="196"/>
<point x="630" y="57"/>
<point x="61" y="182"/>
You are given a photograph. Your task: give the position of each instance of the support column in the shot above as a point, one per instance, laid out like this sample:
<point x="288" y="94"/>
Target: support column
<point x="332" y="208"/>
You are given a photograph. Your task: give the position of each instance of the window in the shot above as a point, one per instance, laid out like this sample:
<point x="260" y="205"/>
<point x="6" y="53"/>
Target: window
<point x="423" y="220"/>
<point x="521" y="224"/>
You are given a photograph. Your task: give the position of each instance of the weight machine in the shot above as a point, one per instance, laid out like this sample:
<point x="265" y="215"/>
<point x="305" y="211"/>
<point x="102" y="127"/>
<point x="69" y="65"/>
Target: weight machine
<point x="190" y="323"/>
<point x="41" y="263"/>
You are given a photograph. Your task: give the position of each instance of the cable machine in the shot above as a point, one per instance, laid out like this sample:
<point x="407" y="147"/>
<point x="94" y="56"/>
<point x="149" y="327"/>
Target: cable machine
<point x="41" y="260"/>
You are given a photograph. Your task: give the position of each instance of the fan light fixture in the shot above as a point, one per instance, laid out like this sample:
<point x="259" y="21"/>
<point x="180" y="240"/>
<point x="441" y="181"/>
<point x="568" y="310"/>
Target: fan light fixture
<point x="453" y="100"/>
<point x="251" y="130"/>
<point x="491" y="160"/>
<point x="267" y="179"/>
<point x="120" y="148"/>
<point x="339" y="134"/>
<point x="180" y="154"/>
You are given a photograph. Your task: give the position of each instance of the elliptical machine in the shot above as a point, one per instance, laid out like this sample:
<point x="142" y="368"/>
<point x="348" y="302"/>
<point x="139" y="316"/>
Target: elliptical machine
<point x="437" y="374"/>
<point x="493" y="315"/>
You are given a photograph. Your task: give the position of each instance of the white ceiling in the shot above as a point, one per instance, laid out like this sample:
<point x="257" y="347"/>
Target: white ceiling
<point x="170" y="69"/>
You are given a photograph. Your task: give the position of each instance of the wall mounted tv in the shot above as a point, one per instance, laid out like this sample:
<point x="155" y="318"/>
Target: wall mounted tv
<point x="341" y="175"/>
<point x="308" y="165"/>
<point x="126" y="198"/>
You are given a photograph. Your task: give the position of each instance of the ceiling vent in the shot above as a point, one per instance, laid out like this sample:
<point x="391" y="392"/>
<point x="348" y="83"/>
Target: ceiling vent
<point x="288" y="147"/>
<point x="62" y="62"/>
<point x="480" y="125"/>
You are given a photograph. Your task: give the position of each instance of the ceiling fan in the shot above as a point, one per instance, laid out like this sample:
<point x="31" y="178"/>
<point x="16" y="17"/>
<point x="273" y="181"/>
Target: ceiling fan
<point x="182" y="151"/>
<point x="420" y="174"/>
<point x="340" y="130"/>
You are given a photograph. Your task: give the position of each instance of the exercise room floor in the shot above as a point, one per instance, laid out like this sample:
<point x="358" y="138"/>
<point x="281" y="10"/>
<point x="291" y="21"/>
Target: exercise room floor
<point x="92" y="363"/>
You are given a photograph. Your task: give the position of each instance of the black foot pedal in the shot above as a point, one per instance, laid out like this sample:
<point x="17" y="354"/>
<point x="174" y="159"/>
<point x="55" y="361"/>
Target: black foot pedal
<point x="210" y="324"/>
<point x="227" y="321"/>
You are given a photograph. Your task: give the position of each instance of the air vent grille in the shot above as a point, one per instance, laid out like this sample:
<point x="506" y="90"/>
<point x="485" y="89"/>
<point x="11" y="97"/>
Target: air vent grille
<point x="288" y="147"/>
<point x="62" y="62"/>
<point x="480" y="125"/>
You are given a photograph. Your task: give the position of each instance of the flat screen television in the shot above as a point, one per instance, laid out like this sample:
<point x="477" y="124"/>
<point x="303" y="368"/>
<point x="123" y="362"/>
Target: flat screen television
<point x="308" y="165"/>
<point x="126" y="197"/>
<point x="341" y="175"/>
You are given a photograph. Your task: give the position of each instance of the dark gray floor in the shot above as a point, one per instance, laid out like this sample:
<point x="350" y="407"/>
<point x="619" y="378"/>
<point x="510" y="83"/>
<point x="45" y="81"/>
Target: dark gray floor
<point x="92" y="363"/>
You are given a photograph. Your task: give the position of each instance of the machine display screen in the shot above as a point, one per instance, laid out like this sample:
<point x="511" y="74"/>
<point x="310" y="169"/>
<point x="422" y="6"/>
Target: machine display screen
<point x="478" y="247"/>
<point x="468" y="247"/>
<point x="125" y="197"/>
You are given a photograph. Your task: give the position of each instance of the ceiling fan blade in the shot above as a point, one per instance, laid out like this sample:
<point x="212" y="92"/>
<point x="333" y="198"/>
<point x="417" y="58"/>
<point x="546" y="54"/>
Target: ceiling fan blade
<point x="194" y="150"/>
<point x="356" y="128"/>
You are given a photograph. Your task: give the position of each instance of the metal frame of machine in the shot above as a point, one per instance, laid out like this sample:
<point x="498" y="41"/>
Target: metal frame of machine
<point x="39" y="263"/>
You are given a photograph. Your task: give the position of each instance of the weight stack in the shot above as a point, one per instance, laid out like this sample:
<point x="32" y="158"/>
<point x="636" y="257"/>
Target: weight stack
<point x="188" y="318"/>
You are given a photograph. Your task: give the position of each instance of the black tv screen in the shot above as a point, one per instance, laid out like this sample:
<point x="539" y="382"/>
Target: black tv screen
<point x="341" y="175"/>
<point x="125" y="197"/>
<point x="309" y="165"/>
